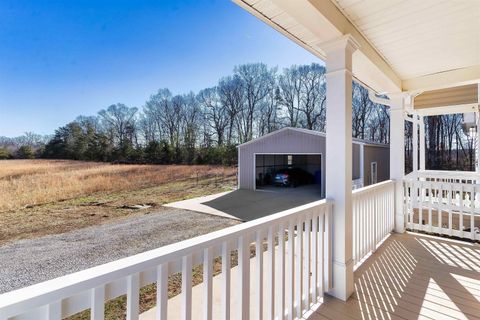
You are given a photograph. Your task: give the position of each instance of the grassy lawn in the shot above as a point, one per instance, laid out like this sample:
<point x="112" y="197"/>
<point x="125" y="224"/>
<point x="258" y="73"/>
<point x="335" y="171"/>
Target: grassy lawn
<point x="42" y="197"/>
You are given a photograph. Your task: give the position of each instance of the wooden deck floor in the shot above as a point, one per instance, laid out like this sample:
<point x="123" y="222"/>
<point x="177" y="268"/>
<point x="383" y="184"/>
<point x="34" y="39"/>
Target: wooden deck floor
<point x="413" y="276"/>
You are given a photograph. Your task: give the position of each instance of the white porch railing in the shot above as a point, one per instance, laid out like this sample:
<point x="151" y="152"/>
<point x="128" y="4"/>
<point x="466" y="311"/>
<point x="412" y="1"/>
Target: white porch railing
<point x="442" y="202"/>
<point x="447" y="176"/>
<point x="297" y="271"/>
<point x="357" y="184"/>
<point x="373" y="217"/>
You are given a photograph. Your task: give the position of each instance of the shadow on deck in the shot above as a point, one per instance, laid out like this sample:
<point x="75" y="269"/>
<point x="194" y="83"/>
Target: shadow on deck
<point x="413" y="276"/>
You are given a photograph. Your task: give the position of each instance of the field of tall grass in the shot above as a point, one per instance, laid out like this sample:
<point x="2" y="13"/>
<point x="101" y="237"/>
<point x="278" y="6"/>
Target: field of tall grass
<point x="26" y="183"/>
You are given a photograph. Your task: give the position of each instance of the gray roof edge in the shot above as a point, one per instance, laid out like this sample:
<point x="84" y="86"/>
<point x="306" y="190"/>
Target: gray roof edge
<point x="312" y="132"/>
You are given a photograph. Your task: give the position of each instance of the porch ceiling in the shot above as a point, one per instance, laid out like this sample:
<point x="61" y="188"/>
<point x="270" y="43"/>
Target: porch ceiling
<point x="406" y="45"/>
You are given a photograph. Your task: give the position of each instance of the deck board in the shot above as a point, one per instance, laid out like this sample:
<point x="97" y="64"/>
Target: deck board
<point x="413" y="276"/>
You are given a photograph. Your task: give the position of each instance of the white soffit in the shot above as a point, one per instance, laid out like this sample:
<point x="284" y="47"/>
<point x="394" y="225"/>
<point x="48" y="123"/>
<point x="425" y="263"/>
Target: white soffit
<point x="302" y="22"/>
<point x="414" y="45"/>
<point x="455" y="96"/>
<point x="428" y="43"/>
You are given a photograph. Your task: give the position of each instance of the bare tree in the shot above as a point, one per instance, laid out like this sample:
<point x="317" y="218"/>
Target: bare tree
<point x="290" y="94"/>
<point x="361" y="110"/>
<point x="216" y="113"/>
<point x="120" y="121"/>
<point x="232" y="98"/>
<point x="257" y="80"/>
<point x="313" y="98"/>
<point x="268" y="114"/>
<point x="154" y="110"/>
<point x="191" y="114"/>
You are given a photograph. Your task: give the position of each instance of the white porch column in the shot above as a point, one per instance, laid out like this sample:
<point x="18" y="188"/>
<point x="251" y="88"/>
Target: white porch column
<point x="339" y="159"/>
<point x="421" y="122"/>
<point x="397" y="156"/>
<point x="477" y="153"/>
<point x="362" y="164"/>
<point x="477" y="142"/>
<point x="415" y="143"/>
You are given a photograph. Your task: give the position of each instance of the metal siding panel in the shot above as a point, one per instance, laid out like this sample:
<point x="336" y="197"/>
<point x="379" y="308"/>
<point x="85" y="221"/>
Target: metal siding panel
<point x="382" y="156"/>
<point x="355" y="161"/>
<point x="284" y="142"/>
<point x="287" y="142"/>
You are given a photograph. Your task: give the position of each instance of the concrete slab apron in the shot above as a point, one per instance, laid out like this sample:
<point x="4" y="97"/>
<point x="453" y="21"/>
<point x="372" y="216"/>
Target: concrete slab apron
<point x="197" y="204"/>
<point x="246" y="205"/>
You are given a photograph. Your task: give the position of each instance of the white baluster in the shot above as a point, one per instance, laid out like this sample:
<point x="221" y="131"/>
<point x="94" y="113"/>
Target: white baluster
<point x="225" y="281"/>
<point x="186" y="313"/>
<point x="162" y="292"/>
<point x="133" y="296"/>
<point x="97" y="303"/>
<point x="207" y="283"/>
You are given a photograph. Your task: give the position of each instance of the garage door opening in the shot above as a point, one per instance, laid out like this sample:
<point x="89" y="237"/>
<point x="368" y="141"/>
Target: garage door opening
<point x="288" y="171"/>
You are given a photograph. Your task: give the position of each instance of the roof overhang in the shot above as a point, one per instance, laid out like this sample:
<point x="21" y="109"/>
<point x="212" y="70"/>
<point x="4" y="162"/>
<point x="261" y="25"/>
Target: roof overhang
<point x="311" y="23"/>
<point x="406" y="45"/>
<point x="461" y="99"/>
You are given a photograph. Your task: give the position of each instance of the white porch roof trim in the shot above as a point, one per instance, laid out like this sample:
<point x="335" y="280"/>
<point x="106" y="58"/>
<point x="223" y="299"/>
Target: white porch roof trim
<point x="405" y="45"/>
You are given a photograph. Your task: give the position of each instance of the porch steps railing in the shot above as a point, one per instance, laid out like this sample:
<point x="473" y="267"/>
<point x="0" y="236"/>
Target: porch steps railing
<point x="296" y="244"/>
<point x="443" y="203"/>
<point x="373" y="217"/>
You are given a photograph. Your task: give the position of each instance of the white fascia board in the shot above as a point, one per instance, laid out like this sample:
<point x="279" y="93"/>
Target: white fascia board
<point x="326" y="22"/>
<point x="464" y="108"/>
<point x="443" y="80"/>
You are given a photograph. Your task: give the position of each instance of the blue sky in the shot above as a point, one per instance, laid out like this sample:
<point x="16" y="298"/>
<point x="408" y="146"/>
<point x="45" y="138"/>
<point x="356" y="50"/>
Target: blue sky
<point x="60" y="59"/>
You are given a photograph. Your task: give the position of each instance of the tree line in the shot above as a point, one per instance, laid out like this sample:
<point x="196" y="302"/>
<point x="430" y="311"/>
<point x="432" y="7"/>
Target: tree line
<point x="206" y="127"/>
<point x="447" y="146"/>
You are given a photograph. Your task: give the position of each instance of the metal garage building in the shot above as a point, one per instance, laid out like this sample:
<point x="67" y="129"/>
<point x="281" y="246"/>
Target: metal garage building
<point x="305" y="149"/>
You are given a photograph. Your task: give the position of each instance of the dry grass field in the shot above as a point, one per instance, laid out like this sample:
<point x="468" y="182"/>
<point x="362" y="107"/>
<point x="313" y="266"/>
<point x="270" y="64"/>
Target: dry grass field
<point x="39" y="197"/>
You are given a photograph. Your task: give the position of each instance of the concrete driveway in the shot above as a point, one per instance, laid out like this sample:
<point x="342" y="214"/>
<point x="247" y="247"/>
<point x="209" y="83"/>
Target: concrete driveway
<point x="248" y="205"/>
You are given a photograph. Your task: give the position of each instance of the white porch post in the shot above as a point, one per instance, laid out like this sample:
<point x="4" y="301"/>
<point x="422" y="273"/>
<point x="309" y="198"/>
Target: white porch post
<point x="339" y="159"/>
<point x="362" y="164"/>
<point x="477" y="142"/>
<point x="397" y="156"/>
<point x="421" y="121"/>
<point x="415" y="144"/>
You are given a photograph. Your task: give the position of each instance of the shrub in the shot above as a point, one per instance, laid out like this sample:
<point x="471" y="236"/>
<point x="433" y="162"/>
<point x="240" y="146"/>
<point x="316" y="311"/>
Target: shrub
<point x="25" y="152"/>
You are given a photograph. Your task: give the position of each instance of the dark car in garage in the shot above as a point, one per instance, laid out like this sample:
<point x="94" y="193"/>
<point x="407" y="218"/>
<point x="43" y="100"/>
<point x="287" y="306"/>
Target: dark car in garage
<point x="292" y="177"/>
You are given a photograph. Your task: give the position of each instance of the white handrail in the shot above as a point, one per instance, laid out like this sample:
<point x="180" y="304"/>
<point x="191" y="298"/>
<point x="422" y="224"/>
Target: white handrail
<point x="373" y="217"/>
<point x="445" y="176"/>
<point x="67" y="295"/>
<point x="448" y="205"/>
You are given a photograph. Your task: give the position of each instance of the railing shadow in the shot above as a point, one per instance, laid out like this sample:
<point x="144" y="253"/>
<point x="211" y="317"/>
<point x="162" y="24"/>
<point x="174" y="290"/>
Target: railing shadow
<point x="413" y="276"/>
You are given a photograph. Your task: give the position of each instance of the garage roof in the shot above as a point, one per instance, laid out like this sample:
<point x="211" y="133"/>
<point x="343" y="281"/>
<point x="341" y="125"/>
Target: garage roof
<point x="311" y="132"/>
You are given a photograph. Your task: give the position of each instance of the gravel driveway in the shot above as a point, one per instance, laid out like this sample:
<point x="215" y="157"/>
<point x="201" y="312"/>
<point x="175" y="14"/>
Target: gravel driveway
<point x="27" y="262"/>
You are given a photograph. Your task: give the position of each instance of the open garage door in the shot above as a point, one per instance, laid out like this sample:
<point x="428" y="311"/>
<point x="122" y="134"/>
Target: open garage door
<point x="298" y="170"/>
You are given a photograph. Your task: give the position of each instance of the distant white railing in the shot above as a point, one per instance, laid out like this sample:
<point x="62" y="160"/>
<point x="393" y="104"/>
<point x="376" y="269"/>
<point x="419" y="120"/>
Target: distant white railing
<point x="357" y="184"/>
<point x="447" y="176"/>
<point x="297" y="271"/>
<point x="446" y="203"/>
<point x="373" y="217"/>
